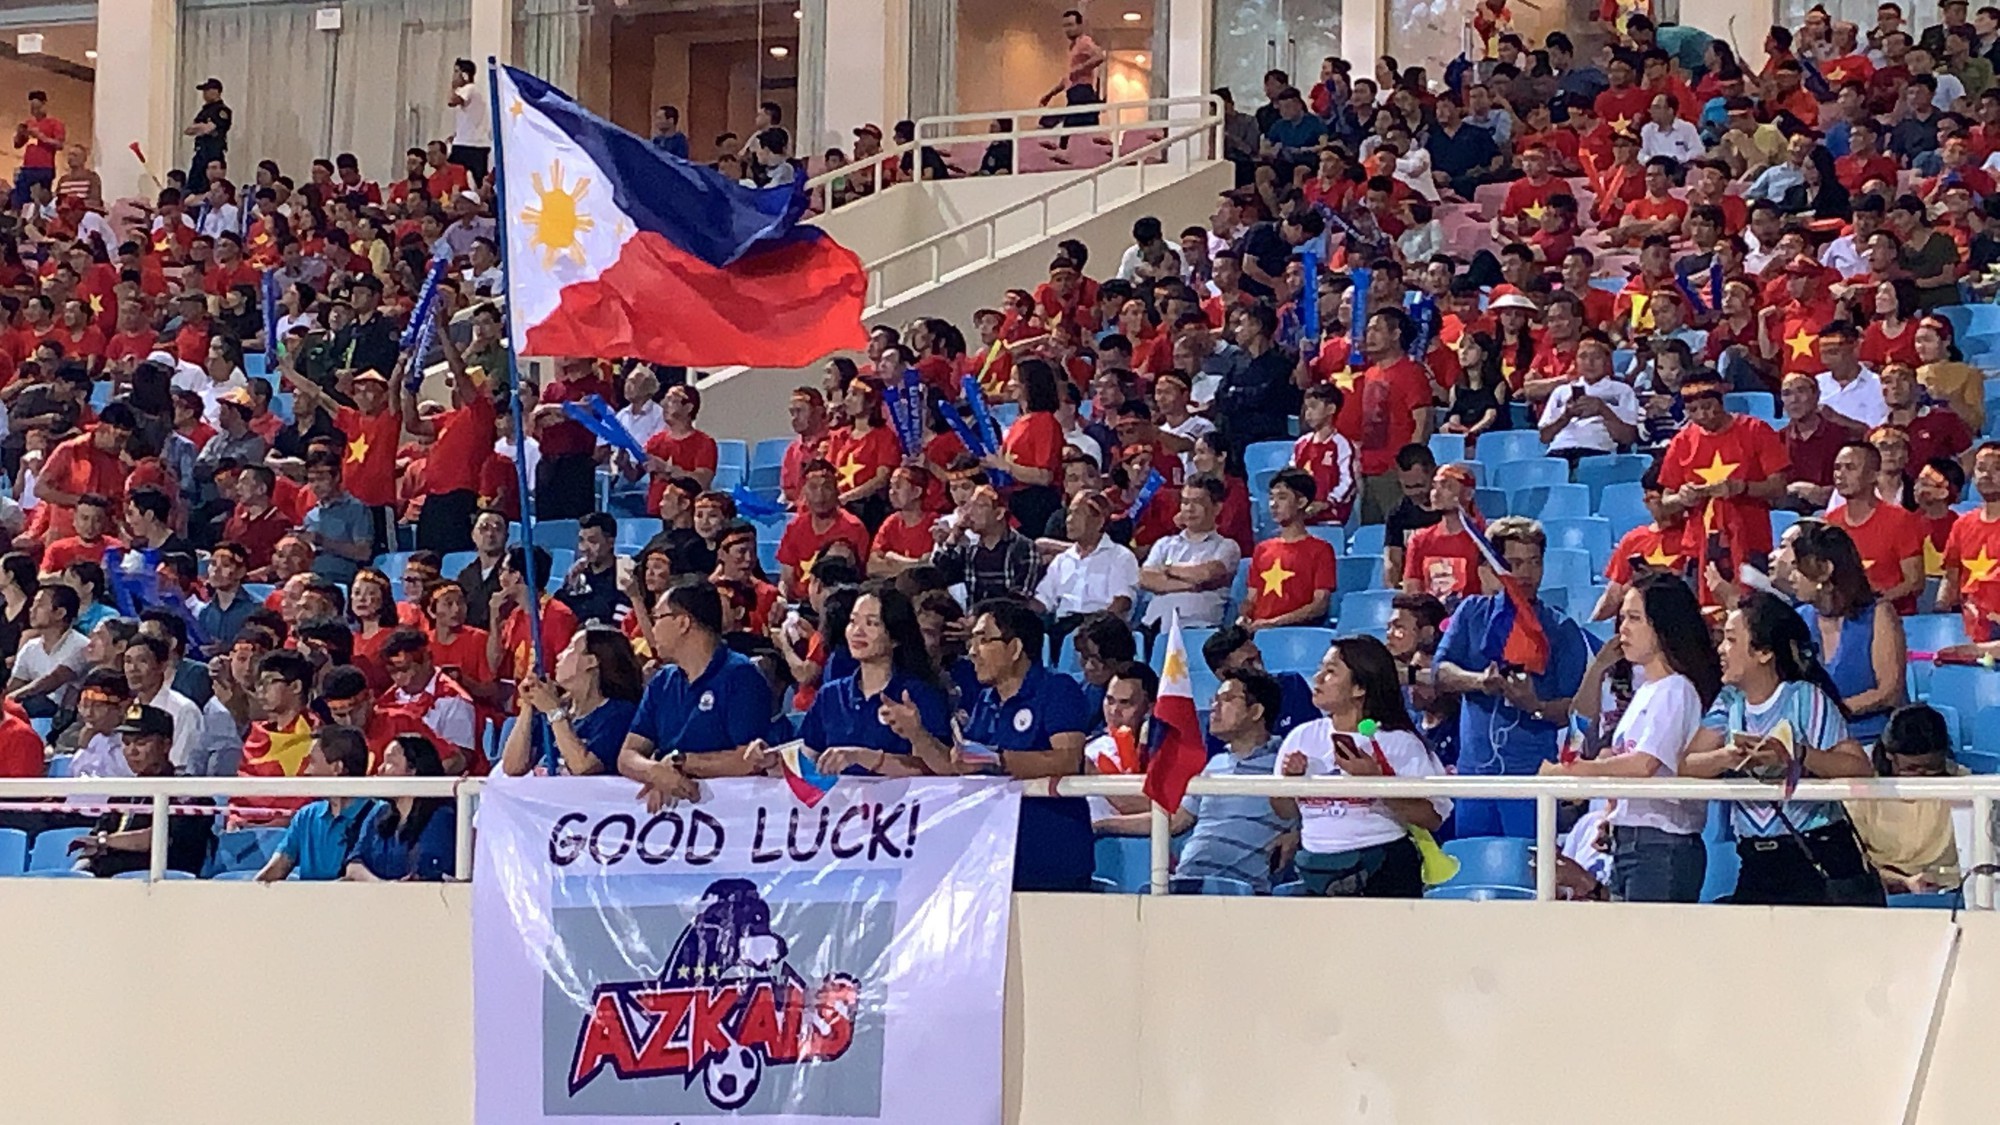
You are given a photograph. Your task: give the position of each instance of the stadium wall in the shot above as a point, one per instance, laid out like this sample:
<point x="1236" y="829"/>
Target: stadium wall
<point x="225" y="1003"/>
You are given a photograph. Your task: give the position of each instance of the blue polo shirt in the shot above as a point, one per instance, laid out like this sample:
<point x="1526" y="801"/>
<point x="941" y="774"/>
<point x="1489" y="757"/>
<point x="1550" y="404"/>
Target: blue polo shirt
<point x="726" y="707"/>
<point x="602" y="733"/>
<point x="319" y="844"/>
<point x="1055" y="847"/>
<point x="842" y="715"/>
<point x="1306" y="132"/>
<point x="1493" y="736"/>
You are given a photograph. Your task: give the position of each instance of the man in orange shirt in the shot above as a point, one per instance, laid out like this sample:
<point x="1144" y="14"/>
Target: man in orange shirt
<point x="1889" y="537"/>
<point x="1657" y="212"/>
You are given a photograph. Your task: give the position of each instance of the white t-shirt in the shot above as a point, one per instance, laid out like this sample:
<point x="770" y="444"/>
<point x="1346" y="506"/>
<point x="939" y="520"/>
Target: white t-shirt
<point x="1191" y="429"/>
<point x="1341" y="824"/>
<point x="471" y="125"/>
<point x="1592" y="433"/>
<point x="35" y="660"/>
<point x="1076" y="583"/>
<point x="187" y="723"/>
<point x="1661" y="721"/>
<point x="1198" y="607"/>
<point x="1860" y="400"/>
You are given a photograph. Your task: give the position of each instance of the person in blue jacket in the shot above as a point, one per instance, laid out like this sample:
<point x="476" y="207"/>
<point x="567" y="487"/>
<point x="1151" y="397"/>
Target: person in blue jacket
<point x="409" y="837"/>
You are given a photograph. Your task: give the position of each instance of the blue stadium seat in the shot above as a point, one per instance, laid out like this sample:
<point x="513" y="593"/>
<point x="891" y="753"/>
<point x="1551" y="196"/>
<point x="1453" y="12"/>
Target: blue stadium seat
<point x="169" y="874"/>
<point x="1193" y="636"/>
<point x="1210" y="885"/>
<point x="1513" y="475"/>
<point x="767" y="459"/>
<point x="1717" y="830"/>
<point x="1266" y="457"/>
<point x="1602" y="630"/>
<point x="1549" y="501"/>
<point x="281" y="405"/>
<point x="560" y="560"/>
<point x="1929" y="632"/>
<point x="247" y="849"/>
<point x="1126" y="861"/>
<point x="253" y="365"/>
<point x="1473" y="892"/>
<point x="1781" y="521"/>
<point x="1624" y="504"/>
<point x="1367" y="539"/>
<point x="1492" y="861"/>
<point x="1566" y="566"/>
<point x="1936" y="900"/>
<point x="728" y="478"/>
<point x="1366" y="612"/>
<point x="1984" y="737"/>
<point x="62" y="765"/>
<point x="1972" y="320"/>
<point x="1590" y="534"/>
<point x="51" y="849"/>
<point x="1491" y="501"/>
<point x="100" y="394"/>
<point x="1360" y="572"/>
<point x="767" y="555"/>
<point x="234" y="876"/>
<point x="635" y="531"/>
<point x="555" y="533"/>
<point x="57" y="873"/>
<point x="1756" y="404"/>
<point x="392" y="564"/>
<point x="457" y="561"/>
<point x="258" y="591"/>
<point x="1447" y="447"/>
<point x="1581" y="601"/>
<point x="1556" y="598"/>
<point x="13" y="851"/>
<point x="1294" y="648"/>
<point x="731" y="453"/>
<point x="1969" y="688"/>
<point x="1595" y="473"/>
<point x="1293" y="889"/>
<point x="1333" y="533"/>
<point x="1953" y="725"/>
<point x="1510" y="445"/>
<point x="1239" y="590"/>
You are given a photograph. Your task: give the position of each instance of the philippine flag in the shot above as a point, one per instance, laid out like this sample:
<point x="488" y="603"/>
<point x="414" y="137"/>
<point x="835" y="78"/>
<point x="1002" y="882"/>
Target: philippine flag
<point x="1179" y="753"/>
<point x="615" y="248"/>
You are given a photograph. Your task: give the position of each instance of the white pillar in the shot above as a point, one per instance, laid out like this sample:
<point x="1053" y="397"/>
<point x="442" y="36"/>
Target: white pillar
<point x="138" y="56"/>
<point x="865" y="75"/>
<point x="1188" y="26"/>
<point x="492" y="31"/>
<point x="1363" y="37"/>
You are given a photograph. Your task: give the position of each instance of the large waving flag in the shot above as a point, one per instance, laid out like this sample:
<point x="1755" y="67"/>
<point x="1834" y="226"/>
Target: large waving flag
<point x="1515" y="628"/>
<point x="618" y="249"/>
<point x="1178" y="755"/>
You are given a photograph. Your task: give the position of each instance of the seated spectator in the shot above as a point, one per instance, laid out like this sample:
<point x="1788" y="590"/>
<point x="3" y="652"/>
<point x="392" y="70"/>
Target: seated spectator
<point x="349" y="699"/>
<point x="149" y="519"/>
<point x="1510" y="718"/>
<point x="1858" y="633"/>
<point x="866" y="723"/>
<point x="594" y="587"/>
<point x="324" y="835"/>
<point x="1092" y="574"/>
<point x="1325" y="453"/>
<point x="1596" y="413"/>
<point x="1292" y="575"/>
<point x="1443" y="560"/>
<point x="1848" y="390"/>
<point x="1192" y="570"/>
<point x="407" y="838"/>
<point x="146" y="661"/>
<point x="88" y="580"/>
<point x="575" y="722"/>
<point x="1889" y="537"/>
<point x="696" y="715"/>
<point x="1416" y="625"/>
<point x="1813" y="437"/>
<point x="1779" y="708"/>
<point x="1935" y="430"/>
<point x="1657" y="851"/>
<point x="428" y="694"/>
<point x="1911" y="844"/>
<point x="904" y="537"/>
<point x="509" y="640"/>
<point x="51" y="654"/>
<point x="93" y="522"/>
<point x="255" y="521"/>
<point x="278" y="742"/>
<point x="1235" y="837"/>
<point x="1233" y="649"/>
<point x="100" y="708"/>
<point x="1647" y="549"/>
<point x="1349" y="847"/>
<point x="339" y="528"/>
<point x="123" y="841"/>
<point x="820" y="521"/>
<point x="984" y="552"/>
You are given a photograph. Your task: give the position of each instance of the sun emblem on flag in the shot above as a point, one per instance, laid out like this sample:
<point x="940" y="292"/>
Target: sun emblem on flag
<point x="558" y="218"/>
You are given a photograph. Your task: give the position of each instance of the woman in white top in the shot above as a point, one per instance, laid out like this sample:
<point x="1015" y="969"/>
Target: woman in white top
<point x="1657" y="854"/>
<point x="1357" y="846"/>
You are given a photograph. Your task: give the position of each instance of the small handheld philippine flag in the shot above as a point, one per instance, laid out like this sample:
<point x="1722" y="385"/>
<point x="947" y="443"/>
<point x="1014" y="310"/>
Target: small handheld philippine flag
<point x="615" y="248"/>
<point x="1179" y="753"/>
<point x="808" y="784"/>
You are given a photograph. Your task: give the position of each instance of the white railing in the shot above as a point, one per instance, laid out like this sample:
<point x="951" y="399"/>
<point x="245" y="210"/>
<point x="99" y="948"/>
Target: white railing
<point x="950" y="129"/>
<point x="1204" y="134"/>
<point x="1978" y="791"/>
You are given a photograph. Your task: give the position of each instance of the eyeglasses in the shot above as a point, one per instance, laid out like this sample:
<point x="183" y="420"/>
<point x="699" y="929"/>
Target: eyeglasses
<point x="979" y="639"/>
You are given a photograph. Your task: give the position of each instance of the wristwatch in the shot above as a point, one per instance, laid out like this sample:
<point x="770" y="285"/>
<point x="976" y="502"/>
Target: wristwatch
<point x="675" y="758"/>
<point x="560" y="715"/>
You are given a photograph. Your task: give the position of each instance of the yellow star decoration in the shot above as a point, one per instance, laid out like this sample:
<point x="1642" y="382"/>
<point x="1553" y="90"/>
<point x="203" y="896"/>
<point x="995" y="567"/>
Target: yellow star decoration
<point x="1801" y="344"/>
<point x="1275" y="577"/>
<point x="1718" y="471"/>
<point x="289" y="748"/>
<point x="1534" y="211"/>
<point x="849" y="471"/>
<point x="1659" y="557"/>
<point x="558" y="219"/>
<point x="1345" y="378"/>
<point x="517" y="107"/>
<point x="1642" y="316"/>
<point x="1620" y="124"/>
<point x="1175" y="668"/>
<point x="357" y="450"/>
<point x="1979" y="568"/>
<point x="1933" y="559"/>
<point x="1835" y="76"/>
<point x="97" y="303"/>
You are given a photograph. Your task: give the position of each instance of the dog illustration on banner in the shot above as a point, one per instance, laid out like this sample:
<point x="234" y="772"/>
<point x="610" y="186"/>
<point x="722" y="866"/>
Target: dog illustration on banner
<point x="726" y="1006"/>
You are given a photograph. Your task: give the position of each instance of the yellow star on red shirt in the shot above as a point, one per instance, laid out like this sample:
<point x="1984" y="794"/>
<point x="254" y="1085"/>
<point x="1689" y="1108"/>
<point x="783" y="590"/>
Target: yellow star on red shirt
<point x="97" y="303"/>
<point x="1659" y="557"/>
<point x="1979" y="568"/>
<point x="357" y="450"/>
<point x="1719" y="470"/>
<point x="1620" y="125"/>
<point x="1274" y="578"/>
<point x="848" y="471"/>
<point x="1801" y="343"/>
<point x="1534" y="211"/>
<point x="1345" y="378"/>
<point x="1933" y="559"/>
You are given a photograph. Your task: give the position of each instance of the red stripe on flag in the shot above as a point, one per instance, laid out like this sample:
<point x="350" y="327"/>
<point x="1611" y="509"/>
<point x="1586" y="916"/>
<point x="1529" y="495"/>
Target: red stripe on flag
<point x="788" y="307"/>
<point x="1180" y="757"/>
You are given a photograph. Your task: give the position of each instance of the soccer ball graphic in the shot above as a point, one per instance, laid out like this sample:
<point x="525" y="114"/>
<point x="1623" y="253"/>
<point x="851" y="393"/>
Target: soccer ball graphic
<point x="731" y="1078"/>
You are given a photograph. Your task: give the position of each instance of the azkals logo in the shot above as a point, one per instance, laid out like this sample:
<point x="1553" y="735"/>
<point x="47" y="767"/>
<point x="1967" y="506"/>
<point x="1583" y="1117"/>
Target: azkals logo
<point x="726" y="1006"/>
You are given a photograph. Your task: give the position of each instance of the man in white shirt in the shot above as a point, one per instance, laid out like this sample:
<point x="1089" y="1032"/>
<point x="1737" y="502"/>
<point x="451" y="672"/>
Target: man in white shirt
<point x="422" y="690"/>
<point x="1596" y="413"/>
<point x="1666" y="134"/>
<point x="146" y="674"/>
<point x="51" y="654"/>
<point x="99" y="709"/>
<point x="1849" y="253"/>
<point x="643" y="417"/>
<point x="472" y="127"/>
<point x="1093" y="574"/>
<point x="1192" y="570"/>
<point x="488" y="279"/>
<point x="1846" y="388"/>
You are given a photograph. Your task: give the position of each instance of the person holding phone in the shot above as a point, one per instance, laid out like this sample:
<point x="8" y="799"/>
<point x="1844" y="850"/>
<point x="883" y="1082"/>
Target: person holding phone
<point x="1357" y="846"/>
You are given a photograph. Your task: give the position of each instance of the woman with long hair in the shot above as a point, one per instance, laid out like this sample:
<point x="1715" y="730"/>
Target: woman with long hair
<point x="372" y="604"/>
<point x="1349" y="849"/>
<point x="861" y="723"/>
<point x="576" y="724"/>
<point x="1031" y="452"/>
<point x="1942" y="370"/>
<point x="1779" y="711"/>
<point x="1859" y="634"/>
<point x="1479" y="398"/>
<point x="1514" y="340"/>
<point x="1821" y="194"/>
<point x="1891" y="335"/>
<point x="19" y="579"/>
<point x="1656" y="846"/>
<point x="864" y="452"/>
<point x="407" y="838"/>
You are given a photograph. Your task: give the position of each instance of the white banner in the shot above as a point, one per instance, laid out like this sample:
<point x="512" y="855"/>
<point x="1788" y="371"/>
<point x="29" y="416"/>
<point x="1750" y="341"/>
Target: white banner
<point x="743" y="956"/>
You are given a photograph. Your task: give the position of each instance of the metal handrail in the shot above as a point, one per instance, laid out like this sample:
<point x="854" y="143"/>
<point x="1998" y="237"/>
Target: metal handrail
<point x="1208" y="104"/>
<point x="989" y="223"/>
<point x="1979" y="791"/>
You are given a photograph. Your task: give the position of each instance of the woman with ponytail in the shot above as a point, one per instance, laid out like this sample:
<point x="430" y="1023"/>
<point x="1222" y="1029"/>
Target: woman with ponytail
<point x="1779" y="712"/>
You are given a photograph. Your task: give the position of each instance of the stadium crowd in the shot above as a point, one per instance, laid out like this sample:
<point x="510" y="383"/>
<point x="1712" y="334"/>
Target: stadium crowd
<point x="1585" y="333"/>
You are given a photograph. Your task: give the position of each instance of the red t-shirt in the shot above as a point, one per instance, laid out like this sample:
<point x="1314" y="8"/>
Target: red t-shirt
<point x="464" y="657"/>
<point x="1657" y="547"/>
<point x="791" y="470"/>
<point x="1854" y="171"/>
<point x="70" y="549"/>
<point x="1286" y="573"/>
<point x="802" y="543"/>
<point x="1879" y="349"/>
<point x="191" y="342"/>
<point x="1648" y="209"/>
<point x="1847" y="68"/>
<point x="41" y="152"/>
<point x="1446" y="564"/>
<point x="386" y="723"/>
<point x="78" y="466"/>
<point x="690" y="454"/>
<point x="567" y="438"/>
<point x="464" y="444"/>
<point x="1624" y="109"/>
<point x="1937" y="530"/>
<point x="899" y="537"/>
<point x="1745" y="450"/>
<point x="517" y="644"/>
<point x="21" y="749"/>
<point x="1036" y="440"/>
<point x="369" y="470"/>
<point x="1335" y="467"/>
<point x="1936" y="433"/>
<point x="1524" y="197"/>
<point x="858" y="460"/>
<point x="130" y="345"/>
<point x="1888" y="536"/>
<point x="258" y="534"/>
<point x="939" y="450"/>
<point x="1379" y="414"/>
<point x="1971" y="552"/>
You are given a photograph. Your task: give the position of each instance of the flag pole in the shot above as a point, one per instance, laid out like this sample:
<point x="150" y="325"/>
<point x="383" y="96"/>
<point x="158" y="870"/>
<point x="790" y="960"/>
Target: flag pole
<point x="533" y="605"/>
